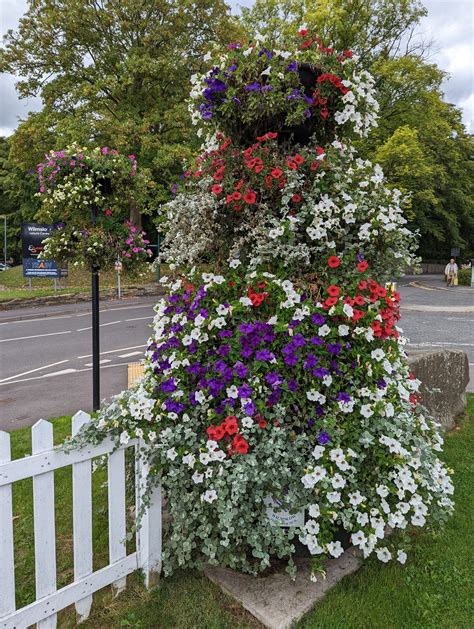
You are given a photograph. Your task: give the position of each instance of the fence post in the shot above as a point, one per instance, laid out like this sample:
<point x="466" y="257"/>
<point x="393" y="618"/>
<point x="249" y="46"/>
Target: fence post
<point x="82" y="518"/>
<point x="44" y="521"/>
<point x="117" y="521"/>
<point x="7" y="570"/>
<point x="149" y="534"/>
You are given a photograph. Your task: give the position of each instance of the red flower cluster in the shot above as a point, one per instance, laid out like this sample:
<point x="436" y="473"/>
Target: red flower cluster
<point x="238" y="174"/>
<point x="225" y="430"/>
<point x="367" y="292"/>
<point x="334" y="79"/>
<point x="257" y="298"/>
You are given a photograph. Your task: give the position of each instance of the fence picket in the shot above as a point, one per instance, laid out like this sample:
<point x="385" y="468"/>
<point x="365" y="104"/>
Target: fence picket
<point x="150" y="532"/>
<point x="44" y="522"/>
<point x="82" y="519"/>
<point x="40" y="467"/>
<point x="7" y="571"/>
<point x="117" y="523"/>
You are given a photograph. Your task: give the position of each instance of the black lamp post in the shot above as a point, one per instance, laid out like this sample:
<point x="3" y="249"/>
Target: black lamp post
<point x="106" y="189"/>
<point x="95" y="327"/>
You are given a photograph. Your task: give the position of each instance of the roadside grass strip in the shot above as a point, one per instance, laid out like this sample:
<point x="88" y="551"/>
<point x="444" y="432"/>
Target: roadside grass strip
<point x="434" y="589"/>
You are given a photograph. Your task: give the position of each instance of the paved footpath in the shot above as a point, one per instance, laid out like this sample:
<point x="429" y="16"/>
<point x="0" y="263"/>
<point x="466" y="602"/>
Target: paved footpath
<point x="45" y="353"/>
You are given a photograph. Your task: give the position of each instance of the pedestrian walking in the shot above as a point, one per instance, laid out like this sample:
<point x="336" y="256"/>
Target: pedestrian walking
<point x="451" y="273"/>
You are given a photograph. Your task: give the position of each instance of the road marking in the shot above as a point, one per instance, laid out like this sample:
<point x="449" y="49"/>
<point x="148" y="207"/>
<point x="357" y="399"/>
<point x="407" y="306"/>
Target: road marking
<point x="450" y="309"/>
<point x="150" y="305"/>
<point x="34" y="336"/>
<point x="25" y="373"/>
<point x="102" y="325"/>
<point x="101" y="362"/>
<point x="113" y="351"/>
<point x="471" y="320"/>
<point x="130" y="354"/>
<point x="31" y="320"/>
<point x="440" y="343"/>
<point x="59" y="373"/>
<point x="139" y="318"/>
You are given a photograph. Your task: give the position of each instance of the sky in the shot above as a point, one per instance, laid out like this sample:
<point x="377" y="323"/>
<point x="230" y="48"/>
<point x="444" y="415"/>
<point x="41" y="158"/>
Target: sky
<point x="450" y="24"/>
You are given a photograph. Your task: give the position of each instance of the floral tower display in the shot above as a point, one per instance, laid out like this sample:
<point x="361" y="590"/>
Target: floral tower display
<point x="277" y="408"/>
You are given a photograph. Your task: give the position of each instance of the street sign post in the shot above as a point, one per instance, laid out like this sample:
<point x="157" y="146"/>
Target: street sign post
<point x="118" y="268"/>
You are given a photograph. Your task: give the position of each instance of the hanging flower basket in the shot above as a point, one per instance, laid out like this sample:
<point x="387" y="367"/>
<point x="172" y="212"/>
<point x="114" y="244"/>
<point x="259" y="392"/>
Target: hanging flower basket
<point x="88" y="194"/>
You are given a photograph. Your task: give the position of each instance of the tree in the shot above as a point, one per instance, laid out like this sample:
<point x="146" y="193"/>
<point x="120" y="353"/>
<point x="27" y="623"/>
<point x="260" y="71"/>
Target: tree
<point x="420" y="139"/>
<point x="116" y="72"/>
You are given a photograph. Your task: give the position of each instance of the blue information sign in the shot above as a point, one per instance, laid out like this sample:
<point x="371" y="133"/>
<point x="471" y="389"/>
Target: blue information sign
<point x="32" y="236"/>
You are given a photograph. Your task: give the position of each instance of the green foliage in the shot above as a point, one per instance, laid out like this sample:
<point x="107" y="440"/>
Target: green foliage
<point x="464" y="277"/>
<point x="114" y="73"/>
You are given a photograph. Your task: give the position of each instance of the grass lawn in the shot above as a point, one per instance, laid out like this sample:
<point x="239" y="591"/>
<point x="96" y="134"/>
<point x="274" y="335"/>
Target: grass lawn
<point x="433" y="590"/>
<point x="16" y="286"/>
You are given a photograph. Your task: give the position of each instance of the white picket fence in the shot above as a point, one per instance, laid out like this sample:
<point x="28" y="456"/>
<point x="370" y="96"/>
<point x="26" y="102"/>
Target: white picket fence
<point x="40" y="466"/>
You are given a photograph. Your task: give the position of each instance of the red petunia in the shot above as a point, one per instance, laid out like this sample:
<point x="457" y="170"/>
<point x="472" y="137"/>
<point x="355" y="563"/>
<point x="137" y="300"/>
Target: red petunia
<point x="333" y="262"/>
<point x="258" y="168"/>
<point x="262" y="423"/>
<point x="291" y="164"/>
<point x="276" y="173"/>
<point x="271" y="135"/>
<point x="303" y="32"/>
<point x="296" y="198"/>
<point x="306" y="44"/>
<point x="249" y="197"/>
<point x="230" y="425"/>
<point x="299" y="159"/>
<point x="216" y="189"/>
<point x="362" y="285"/>
<point x="219" y="433"/>
<point x="333" y="290"/>
<point x="236" y="196"/>
<point x="211" y="431"/>
<point x="331" y="301"/>
<point x="315" y="165"/>
<point x="362" y="266"/>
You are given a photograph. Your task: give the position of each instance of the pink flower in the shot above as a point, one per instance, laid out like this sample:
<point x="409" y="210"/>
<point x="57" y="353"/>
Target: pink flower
<point x="149" y="252"/>
<point x="131" y="157"/>
<point x="136" y="249"/>
<point x="104" y="150"/>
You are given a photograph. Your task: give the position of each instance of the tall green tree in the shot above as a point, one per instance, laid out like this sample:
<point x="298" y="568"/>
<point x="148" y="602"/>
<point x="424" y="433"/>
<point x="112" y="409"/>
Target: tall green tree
<point x="116" y="72"/>
<point x="420" y="141"/>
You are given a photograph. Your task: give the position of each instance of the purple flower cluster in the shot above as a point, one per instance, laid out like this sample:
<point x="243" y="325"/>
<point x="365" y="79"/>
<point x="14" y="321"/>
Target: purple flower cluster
<point x="223" y="368"/>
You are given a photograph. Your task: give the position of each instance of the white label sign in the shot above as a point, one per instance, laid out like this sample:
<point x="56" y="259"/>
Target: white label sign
<point x="281" y="517"/>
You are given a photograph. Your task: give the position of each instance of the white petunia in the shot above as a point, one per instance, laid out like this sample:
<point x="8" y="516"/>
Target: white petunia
<point x="324" y="330"/>
<point x="209" y="496"/>
<point x="401" y="556"/>
<point x="348" y="310"/>
<point x="378" y="354"/>
<point x="314" y="511"/>
<point x="343" y="330"/>
<point x="197" y="478"/>
<point x="234" y="263"/>
<point x="333" y="496"/>
<point x="359" y="538"/>
<point x="318" y="452"/>
<point x="171" y="454"/>
<point x="232" y="392"/>
<point x="335" y="549"/>
<point x="124" y="437"/>
<point x="366" y="410"/>
<point x="383" y="554"/>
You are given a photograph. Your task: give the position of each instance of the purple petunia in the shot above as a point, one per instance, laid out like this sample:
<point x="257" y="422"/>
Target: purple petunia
<point x="318" y="319"/>
<point x="240" y="369"/>
<point x="323" y="438"/>
<point x="168" y="385"/>
<point x="253" y="87"/>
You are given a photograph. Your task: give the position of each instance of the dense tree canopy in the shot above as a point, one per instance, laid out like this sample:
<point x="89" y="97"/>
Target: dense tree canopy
<point x="117" y="73"/>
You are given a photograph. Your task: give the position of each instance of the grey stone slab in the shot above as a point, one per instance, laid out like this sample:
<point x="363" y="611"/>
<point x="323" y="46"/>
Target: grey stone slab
<point x="277" y="601"/>
<point x="444" y="376"/>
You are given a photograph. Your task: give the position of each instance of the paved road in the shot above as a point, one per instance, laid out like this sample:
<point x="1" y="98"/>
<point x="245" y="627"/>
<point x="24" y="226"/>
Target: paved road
<point x="45" y="353"/>
<point x="436" y="317"/>
<point x="45" y="364"/>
